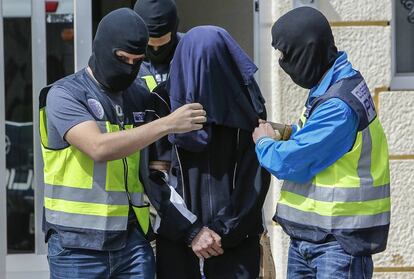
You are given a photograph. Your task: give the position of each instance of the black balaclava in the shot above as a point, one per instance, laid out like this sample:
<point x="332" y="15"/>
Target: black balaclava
<point x="161" y="17"/>
<point x="305" y="38"/>
<point x="121" y="29"/>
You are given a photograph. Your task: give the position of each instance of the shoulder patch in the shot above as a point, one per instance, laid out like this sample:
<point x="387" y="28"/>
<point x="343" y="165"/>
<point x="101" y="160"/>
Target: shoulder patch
<point x="361" y="92"/>
<point x="139" y="116"/>
<point x="97" y="108"/>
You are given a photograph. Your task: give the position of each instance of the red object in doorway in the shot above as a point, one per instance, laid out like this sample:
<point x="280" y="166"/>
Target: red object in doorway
<point x="51" y="6"/>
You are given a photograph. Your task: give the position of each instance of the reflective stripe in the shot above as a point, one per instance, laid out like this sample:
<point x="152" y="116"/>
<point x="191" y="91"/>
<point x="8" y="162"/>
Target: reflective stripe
<point x="332" y="222"/>
<point x="338" y="194"/>
<point x="81" y="221"/>
<point x="324" y="208"/>
<point x="364" y="162"/>
<point x="86" y="208"/>
<point x="180" y="205"/>
<point x="137" y="199"/>
<point x="95" y="195"/>
<point x="99" y="177"/>
<point x="150" y="82"/>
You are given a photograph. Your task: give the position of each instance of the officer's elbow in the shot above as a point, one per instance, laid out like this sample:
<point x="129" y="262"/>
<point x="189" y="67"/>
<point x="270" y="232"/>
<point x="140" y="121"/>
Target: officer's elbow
<point x="98" y="152"/>
<point x="97" y="156"/>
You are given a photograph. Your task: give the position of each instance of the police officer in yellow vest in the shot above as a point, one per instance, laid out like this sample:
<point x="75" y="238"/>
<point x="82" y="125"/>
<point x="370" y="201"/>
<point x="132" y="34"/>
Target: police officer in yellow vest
<point x="161" y="19"/>
<point x="95" y="218"/>
<point x="335" y="200"/>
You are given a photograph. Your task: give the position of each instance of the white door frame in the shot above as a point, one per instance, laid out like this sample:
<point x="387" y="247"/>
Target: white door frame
<point x="3" y="192"/>
<point x="37" y="262"/>
<point x="39" y="74"/>
<point x="83" y="32"/>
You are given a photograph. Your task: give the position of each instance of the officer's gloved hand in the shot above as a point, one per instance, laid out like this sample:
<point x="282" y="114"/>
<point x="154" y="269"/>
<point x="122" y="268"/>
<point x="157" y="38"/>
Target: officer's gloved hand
<point x="283" y="131"/>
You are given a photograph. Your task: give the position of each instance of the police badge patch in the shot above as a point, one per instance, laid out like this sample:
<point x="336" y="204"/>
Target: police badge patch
<point x="96" y="108"/>
<point x="139" y="116"/>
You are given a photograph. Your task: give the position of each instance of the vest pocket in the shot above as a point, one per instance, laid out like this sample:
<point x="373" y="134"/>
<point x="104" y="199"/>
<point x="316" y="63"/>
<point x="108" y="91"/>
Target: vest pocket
<point x="60" y="163"/>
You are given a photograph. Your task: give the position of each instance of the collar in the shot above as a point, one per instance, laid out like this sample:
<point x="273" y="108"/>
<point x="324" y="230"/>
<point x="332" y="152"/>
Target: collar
<point x="341" y="69"/>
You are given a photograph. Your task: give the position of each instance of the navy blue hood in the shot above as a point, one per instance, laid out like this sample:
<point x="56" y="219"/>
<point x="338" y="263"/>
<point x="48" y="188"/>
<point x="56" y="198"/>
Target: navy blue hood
<point x="210" y="68"/>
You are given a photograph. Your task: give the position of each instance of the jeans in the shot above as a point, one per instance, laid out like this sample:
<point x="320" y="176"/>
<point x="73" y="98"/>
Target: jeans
<point x="136" y="260"/>
<point x="325" y="261"/>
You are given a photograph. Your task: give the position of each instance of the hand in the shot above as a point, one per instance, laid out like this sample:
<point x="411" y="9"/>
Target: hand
<point x="264" y="130"/>
<point x="163" y="166"/>
<point x="285" y="131"/>
<point x="187" y="118"/>
<point x="207" y="243"/>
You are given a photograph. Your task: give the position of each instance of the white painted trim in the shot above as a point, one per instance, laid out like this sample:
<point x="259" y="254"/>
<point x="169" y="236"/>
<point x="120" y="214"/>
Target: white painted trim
<point x="38" y="25"/>
<point x="3" y="202"/>
<point x="83" y="33"/>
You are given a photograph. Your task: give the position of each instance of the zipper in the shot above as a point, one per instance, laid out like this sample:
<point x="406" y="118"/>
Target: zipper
<point x="235" y="165"/>
<point x="209" y="190"/>
<point x="181" y="172"/>
<point x="125" y="163"/>
<point x="120" y="121"/>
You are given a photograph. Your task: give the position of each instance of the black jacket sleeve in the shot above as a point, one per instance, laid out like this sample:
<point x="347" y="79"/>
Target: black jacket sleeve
<point x="174" y="220"/>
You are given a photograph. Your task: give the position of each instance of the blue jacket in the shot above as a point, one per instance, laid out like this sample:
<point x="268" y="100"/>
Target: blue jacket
<point x="329" y="133"/>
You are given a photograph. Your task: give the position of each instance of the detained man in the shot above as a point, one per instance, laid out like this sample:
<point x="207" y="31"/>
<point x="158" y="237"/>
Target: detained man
<point x="96" y="221"/>
<point x="335" y="200"/>
<point x="210" y="219"/>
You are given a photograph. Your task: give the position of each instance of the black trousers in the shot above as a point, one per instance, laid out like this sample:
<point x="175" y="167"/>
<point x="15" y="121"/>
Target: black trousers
<point x="177" y="261"/>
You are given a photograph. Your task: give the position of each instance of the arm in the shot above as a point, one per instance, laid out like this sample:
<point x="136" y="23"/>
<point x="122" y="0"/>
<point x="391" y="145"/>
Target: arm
<point x="328" y="134"/>
<point x="77" y="126"/>
<point x="87" y="137"/>
<point x="174" y="220"/>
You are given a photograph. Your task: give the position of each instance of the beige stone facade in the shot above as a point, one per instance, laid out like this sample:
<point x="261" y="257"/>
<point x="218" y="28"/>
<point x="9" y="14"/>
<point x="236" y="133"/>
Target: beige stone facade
<point x="362" y="29"/>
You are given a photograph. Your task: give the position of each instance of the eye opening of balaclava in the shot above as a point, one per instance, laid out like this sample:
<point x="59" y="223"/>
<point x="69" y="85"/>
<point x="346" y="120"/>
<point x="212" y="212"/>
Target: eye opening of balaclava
<point x="305" y="38"/>
<point x="161" y="18"/>
<point x="121" y="29"/>
<point x="138" y="62"/>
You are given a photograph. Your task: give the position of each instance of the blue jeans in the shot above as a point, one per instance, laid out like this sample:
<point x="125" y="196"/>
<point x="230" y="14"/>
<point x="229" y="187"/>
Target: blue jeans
<point x="136" y="260"/>
<point x="326" y="261"/>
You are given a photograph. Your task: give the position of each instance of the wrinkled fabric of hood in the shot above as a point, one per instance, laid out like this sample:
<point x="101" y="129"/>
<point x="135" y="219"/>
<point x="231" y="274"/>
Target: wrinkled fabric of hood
<point x="124" y="30"/>
<point x="305" y="38"/>
<point x="210" y="68"/>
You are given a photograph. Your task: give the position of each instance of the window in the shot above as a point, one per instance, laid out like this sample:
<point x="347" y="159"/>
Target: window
<point x="403" y="45"/>
<point x="19" y="128"/>
<point x="18" y="77"/>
